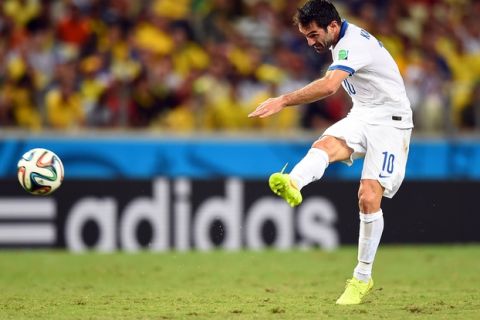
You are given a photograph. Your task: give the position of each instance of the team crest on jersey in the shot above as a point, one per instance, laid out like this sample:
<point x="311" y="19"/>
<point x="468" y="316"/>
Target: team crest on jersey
<point x="343" y="54"/>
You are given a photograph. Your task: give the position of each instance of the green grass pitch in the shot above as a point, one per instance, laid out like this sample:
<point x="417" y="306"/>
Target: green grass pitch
<point x="411" y="282"/>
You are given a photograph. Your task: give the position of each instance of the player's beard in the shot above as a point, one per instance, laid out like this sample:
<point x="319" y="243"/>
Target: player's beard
<point x="321" y="47"/>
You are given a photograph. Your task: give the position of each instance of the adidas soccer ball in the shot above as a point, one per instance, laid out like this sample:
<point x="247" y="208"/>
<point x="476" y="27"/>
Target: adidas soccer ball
<point x="40" y="171"/>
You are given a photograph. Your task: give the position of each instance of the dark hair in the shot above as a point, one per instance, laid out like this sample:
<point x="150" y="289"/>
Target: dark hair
<point x="322" y="12"/>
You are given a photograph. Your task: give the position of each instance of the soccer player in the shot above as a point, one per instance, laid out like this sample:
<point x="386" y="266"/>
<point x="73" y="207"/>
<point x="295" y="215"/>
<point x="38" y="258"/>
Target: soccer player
<point x="378" y="127"/>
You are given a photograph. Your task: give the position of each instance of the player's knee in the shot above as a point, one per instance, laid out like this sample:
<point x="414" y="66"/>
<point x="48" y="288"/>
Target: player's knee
<point x="326" y="143"/>
<point x="335" y="148"/>
<point x="369" y="196"/>
<point x="369" y="201"/>
<point x="365" y="199"/>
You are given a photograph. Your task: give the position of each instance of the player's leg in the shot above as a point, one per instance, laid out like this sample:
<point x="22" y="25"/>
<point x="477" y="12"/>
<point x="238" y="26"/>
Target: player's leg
<point x="383" y="172"/>
<point x="370" y="196"/>
<point x="324" y="151"/>
<point x="338" y="143"/>
<point x="311" y="168"/>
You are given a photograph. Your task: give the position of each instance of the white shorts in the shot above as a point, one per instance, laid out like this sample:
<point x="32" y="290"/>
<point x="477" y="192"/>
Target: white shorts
<point x="385" y="149"/>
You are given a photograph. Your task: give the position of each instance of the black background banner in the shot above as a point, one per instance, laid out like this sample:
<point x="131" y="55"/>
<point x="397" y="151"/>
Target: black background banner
<point x="110" y="215"/>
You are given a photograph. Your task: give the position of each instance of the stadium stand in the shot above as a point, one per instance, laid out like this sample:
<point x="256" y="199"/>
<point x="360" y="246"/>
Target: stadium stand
<point x="190" y="65"/>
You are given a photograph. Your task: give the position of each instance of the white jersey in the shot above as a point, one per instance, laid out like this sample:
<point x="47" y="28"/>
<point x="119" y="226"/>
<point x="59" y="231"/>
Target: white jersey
<point x="375" y="84"/>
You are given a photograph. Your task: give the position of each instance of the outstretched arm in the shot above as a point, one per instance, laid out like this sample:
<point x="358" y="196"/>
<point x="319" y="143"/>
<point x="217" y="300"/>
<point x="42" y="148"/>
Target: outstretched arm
<point x="314" y="91"/>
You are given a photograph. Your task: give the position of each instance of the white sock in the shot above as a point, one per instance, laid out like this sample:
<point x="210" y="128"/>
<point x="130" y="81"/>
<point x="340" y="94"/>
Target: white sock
<point x="310" y="168"/>
<point x="371" y="228"/>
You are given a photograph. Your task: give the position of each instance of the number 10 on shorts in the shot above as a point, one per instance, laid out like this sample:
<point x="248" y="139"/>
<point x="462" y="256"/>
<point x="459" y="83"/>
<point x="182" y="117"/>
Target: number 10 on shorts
<point x="388" y="160"/>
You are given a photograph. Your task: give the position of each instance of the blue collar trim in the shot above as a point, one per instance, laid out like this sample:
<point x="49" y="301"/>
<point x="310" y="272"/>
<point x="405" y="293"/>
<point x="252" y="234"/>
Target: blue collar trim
<point x="343" y="29"/>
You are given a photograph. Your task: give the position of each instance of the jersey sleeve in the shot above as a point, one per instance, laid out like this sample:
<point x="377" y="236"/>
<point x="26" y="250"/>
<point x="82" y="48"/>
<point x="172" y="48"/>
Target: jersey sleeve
<point x="350" y="58"/>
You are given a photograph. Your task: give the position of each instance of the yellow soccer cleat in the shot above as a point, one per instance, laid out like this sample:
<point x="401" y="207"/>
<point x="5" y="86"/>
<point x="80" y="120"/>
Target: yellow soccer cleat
<point x="283" y="186"/>
<point x="355" y="291"/>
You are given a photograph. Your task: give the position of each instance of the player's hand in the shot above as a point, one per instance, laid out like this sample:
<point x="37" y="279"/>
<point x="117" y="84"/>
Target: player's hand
<point x="268" y="107"/>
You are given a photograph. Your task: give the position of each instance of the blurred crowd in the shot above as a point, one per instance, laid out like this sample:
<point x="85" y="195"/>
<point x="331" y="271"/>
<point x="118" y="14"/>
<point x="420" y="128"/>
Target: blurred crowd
<point x="194" y="65"/>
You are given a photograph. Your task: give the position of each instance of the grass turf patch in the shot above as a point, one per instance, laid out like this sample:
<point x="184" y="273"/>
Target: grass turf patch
<point x="424" y="282"/>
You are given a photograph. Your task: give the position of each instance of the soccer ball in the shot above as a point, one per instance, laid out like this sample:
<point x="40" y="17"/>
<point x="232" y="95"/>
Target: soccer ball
<point x="40" y="171"/>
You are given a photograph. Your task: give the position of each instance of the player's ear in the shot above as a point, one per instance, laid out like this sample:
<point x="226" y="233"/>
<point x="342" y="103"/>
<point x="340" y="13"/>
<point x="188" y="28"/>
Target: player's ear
<point x="332" y="26"/>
